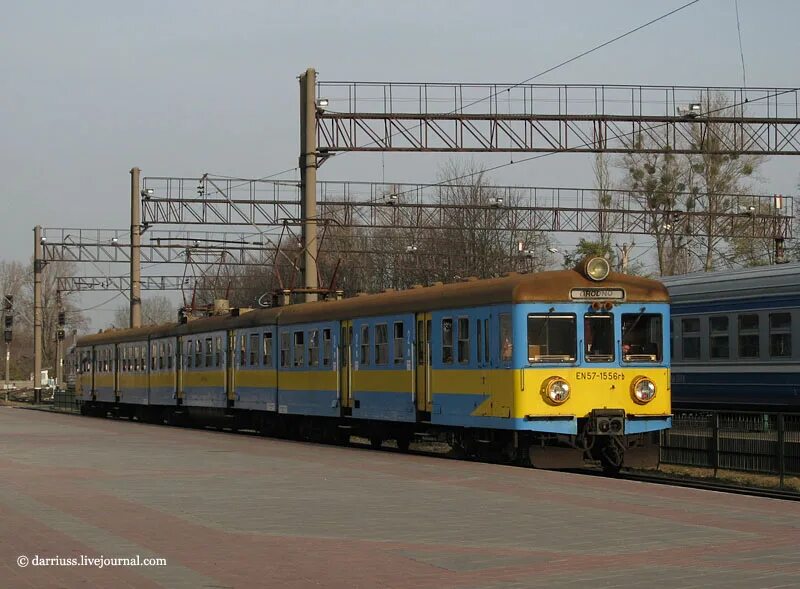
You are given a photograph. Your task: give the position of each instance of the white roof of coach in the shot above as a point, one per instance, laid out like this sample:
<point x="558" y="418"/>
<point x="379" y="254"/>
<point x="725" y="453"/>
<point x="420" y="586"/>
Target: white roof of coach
<point x="762" y="281"/>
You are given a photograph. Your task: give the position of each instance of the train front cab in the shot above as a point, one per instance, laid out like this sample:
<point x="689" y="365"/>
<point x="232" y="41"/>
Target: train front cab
<point x="591" y="375"/>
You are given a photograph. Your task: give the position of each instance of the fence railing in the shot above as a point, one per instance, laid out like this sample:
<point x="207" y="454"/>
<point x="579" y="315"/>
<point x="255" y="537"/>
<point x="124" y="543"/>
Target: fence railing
<point x="754" y="442"/>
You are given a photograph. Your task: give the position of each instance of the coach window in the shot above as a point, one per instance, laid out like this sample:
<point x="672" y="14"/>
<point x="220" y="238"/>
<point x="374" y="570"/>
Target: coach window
<point x="136" y="359"/>
<point x="267" y="358"/>
<point x="506" y="341"/>
<point x="161" y="356"/>
<point x="326" y="347"/>
<point x="447" y="341"/>
<point x="284" y="349"/>
<point x="551" y="337"/>
<point x="299" y="350"/>
<point x="598" y="335"/>
<point x="169" y="356"/>
<point x="313" y="347"/>
<point x="690" y="329"/>
<point x="253" y="349"/>
<point x="463" y="340"/>
<point x="399" y="343"/>
<point x="748" y="336"/>
<point x="153" y="355"/>
<point x="243" y="350"/>
<point x="718" y="338"/>
<point x="364" y="355"/>
<point x="780" y="335"/>
<point x="209" y="352"/>
<point x="218" y="351"/>
<point x="381" y="344"/>
<point x="198" y="353"/>
<point x="642" y="335"/>
<point x="189" y="353"/>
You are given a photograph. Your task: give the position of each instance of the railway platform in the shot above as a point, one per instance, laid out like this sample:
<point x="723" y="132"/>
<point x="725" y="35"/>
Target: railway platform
<point x="171" y="507"/>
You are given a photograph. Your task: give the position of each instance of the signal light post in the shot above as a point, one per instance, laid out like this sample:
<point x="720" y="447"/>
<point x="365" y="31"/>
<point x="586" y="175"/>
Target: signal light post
<point x="8" y="325"/>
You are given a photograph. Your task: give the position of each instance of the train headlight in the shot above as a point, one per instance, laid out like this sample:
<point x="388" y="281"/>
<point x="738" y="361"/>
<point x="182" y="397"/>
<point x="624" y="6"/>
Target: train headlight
<point x="643" y="390"/>
<point x="557" y="390"/>
<point x="597" y="269"/>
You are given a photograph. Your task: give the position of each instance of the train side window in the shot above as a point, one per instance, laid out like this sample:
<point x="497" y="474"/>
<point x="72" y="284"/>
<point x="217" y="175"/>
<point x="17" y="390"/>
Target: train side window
<point x="364" y="347"/>
<point x="169" y="356"/>
<point x="218" y="351"/>
<point x="506" y="337"/>
<point x="267" y="358"/>
<point x="313" y="347"/>
<point x="189" y="353"/>
<point x="299" y="356"/>
<point x="153" y="356"/>
<point x="479" y="338"/>
<point x="486" y="348"/>
<point x="327" y="347"/>
<point x="253" y="349"/>
<point x="690" y="329"/>
<point x="447" y="340"/>
<point x="381" y="344"/>
<point x="137" y="356"/>
<point x="243" y="350"/>
<point x="463" y="340"/>
<point x="748" y="336"/>
<point x="399" y="342"/>
<point x="209" y="352"/>
<point x="284" y="349"/>
<point x="642" y="337"/>
<point x="718" y="338"/>
<point x="780" y="335"/>
<point x="161" y="356"/>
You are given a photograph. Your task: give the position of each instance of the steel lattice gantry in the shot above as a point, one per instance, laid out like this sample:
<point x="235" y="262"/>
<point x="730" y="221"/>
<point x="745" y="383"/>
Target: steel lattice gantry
<point x="123" y="283"/>
<point x="390" y="116"/>
<point x="274" y="204"/>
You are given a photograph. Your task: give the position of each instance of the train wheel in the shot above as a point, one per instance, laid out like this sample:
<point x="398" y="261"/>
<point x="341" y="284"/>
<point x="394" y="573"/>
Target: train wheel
<point x="403" y="443"/>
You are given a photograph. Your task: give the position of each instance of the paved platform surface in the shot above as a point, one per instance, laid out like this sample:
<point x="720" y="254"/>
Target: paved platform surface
<point x="228" y="510"/>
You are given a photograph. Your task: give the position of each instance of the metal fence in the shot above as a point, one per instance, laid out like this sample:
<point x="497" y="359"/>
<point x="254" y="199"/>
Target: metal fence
<point x="756" y="442"/>
<point x="65" y="401"/>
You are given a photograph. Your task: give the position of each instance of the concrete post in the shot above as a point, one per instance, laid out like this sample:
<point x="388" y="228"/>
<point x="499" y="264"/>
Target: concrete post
<point x="38" y="268"/>
<point x="136" y="251"/>
<point x="308" y="178"/>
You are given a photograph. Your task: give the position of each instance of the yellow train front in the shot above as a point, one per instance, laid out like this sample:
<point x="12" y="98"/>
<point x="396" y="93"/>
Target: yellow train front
<point x="551" y="368"/>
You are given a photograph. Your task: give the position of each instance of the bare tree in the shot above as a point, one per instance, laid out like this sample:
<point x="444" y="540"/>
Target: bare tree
<point x="156" y="310"/>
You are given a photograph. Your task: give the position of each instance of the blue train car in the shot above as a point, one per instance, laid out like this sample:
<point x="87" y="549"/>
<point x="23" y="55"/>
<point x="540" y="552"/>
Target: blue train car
<point x="735" y="340"/>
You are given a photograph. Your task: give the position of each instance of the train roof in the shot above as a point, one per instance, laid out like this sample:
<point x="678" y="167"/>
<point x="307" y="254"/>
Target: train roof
<point x="553" y="286"/>
<point x="763" y="281"/>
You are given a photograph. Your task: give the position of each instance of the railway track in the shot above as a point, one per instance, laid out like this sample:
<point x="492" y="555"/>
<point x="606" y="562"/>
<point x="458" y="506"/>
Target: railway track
<point x="625" y="475"/>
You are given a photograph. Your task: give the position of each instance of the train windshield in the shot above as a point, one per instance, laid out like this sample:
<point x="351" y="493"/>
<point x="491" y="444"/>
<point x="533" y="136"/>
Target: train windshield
<point x="599" y="337"/>
<point x="551" y="338"/>
<point x="642" y="337"/>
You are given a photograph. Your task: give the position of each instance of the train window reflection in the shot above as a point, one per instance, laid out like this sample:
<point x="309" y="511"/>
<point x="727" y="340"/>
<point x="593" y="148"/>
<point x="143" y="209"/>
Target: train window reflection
<point x="551" y="338"/>
<point x="642" y="335"/>
<point x="748" y="336"/>
<point x="780" y="335"/>
<point x="599" y="338"/>
<point x="690" y="328"/>
<point x="718" y="337"/>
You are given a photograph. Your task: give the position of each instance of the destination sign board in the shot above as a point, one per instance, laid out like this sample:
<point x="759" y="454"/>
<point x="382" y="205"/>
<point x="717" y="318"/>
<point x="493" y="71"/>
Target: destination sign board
<point x="597" y="294"/>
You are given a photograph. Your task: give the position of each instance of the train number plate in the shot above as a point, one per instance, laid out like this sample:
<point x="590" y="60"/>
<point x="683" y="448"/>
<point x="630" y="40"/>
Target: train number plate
<point x="600" y="375"/>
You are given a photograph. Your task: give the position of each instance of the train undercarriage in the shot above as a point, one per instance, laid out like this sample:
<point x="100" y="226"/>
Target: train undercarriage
<point x="524" y="448"/>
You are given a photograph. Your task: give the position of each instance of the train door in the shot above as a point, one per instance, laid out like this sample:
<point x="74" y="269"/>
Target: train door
<point x="422" y="362"/>
<point x="179" y="368"/>
<point x="345" y="362"/>
<point x="483" y="351"/>
<point x="230" y="365"/>
<point x="115" y="368"/>
<point x="92" y="369"/>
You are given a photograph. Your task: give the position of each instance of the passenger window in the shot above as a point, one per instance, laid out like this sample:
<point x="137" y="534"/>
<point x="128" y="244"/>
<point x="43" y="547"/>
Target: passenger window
<point x="690" y="329"/>
<point x="313" y="347"/>
<point x="479" y="336"/>
<point x="399" y="343"/>
<point x="447" y="341"/>
<point x="364" y="355"/>
<point x="169" y="356"/>
<point x="161" y="356"/>
<point x="267" y="359"/>
<point x="243" y="350"/>
<point x="326" y="347"/>
<point x="209" y="352"/>
<point x="780" y="335"/>
<point x="189" y="353"/>
<point x="463" y="340"/>
<point x="198" y="354"/>
<point x="218" y="351"/>
<point x="718" y="338"/>
<point x="598" y="337"/>
<point x="551" y="338"/>
<point x="748" y="336"/>
<point x="253" y="349"/>
<point x="153" y="355"/>
<point x="420" y="343"/>
<point x="299" y="358"/>
<point x="507" y="337"/>
<point x="381" y="344"/>
<point x="284" y="349"/>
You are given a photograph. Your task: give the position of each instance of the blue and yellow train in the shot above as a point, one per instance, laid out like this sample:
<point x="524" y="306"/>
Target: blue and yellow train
<point x="551" y="368"/>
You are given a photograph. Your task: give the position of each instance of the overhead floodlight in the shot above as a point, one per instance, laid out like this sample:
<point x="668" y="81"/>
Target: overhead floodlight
<point x="392" y="199"/>
<point x="322" y="103"/>
<point x="496" y="201"/>
<point x="147" y="193"/>
<point x="43" y="240"/>
<point x="691" y="110"/>
<point x="114" y="241"/>
<point x="778" y="201"/>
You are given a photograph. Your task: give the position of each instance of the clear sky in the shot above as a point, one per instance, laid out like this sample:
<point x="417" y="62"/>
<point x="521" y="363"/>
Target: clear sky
<point x="92" y="88"/>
